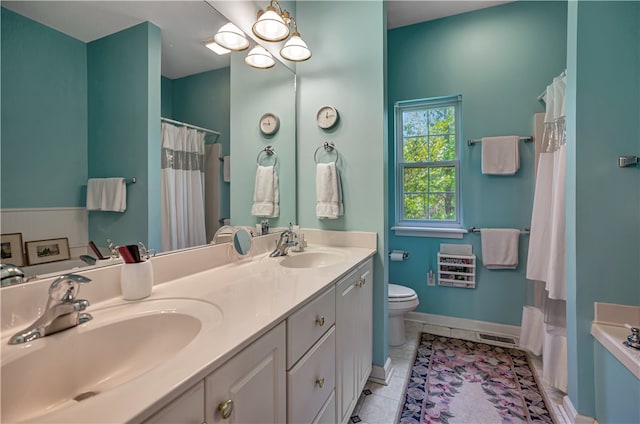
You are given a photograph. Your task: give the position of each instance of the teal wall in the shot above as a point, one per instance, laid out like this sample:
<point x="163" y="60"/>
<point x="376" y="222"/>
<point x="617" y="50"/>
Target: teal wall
<point x="44" y="116"/>
<point x="603" y="201"/>
<point x="124" y="135"/>
<point x="617" y="390"/>
<point x="347" y="71"/>
<point x="203" y="100"/>
<point x="256" y="92"/>
<point x="500" y="59"/>
<point x="166" y="97"/>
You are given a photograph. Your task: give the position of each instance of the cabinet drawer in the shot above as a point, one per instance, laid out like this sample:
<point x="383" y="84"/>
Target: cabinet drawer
<point x="311" y="382"/>
<point x="307" y="325"/>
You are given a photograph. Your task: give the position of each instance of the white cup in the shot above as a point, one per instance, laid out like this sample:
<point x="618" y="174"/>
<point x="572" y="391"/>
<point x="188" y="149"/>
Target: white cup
<point x="136" y="280"/>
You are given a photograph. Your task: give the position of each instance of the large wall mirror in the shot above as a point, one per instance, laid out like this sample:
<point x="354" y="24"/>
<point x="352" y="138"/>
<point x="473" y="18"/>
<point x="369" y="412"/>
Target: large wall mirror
<point x="85" y="85"/>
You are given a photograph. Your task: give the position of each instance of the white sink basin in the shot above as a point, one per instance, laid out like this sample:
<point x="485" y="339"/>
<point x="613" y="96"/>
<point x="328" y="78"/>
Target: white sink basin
<point x="311" y="260"/>
<point x="120" y="344"/>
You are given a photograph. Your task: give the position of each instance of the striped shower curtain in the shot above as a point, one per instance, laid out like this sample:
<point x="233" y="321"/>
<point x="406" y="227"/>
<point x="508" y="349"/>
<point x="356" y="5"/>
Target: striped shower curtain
<point x="183" y="220"/>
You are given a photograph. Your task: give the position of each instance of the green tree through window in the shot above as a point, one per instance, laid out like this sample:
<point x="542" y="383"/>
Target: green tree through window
<point x="427" y="161"/>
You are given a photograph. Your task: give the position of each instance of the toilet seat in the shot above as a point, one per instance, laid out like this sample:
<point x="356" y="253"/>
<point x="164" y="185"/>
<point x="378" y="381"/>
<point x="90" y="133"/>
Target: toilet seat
<point x="399" y="293"/>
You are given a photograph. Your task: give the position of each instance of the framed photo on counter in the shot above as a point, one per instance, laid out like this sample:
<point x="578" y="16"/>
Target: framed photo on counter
<point x="50" y="250"/>
<point x="11" y="247"/>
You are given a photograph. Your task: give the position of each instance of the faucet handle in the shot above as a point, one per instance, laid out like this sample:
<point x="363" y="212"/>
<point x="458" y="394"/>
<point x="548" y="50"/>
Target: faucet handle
<point x="65" y="288"/>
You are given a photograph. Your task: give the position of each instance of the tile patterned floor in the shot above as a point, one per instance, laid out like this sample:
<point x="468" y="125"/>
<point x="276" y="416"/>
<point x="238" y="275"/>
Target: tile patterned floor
<point x="380" y="404"/>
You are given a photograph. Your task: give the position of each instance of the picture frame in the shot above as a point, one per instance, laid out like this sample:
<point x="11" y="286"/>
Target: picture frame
<point x="11" y="247"/>
<point x="50" y="250"/>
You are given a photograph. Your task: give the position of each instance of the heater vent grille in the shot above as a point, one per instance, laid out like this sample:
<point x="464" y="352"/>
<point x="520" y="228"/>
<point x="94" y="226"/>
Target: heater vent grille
<point x="501" y="339"/>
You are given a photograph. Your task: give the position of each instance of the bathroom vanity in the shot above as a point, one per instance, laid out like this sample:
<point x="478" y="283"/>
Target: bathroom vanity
<point x="253" y="339"/>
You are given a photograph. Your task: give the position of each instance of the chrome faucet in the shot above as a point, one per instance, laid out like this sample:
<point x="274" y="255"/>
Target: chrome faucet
<point x="11" y="274"/>
<point x="283" y="244"/>
<point x="61" y="312"/>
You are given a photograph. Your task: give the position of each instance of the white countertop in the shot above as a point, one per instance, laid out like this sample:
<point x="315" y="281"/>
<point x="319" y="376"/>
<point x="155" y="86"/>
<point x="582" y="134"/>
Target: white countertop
<point x="252" y="295"/>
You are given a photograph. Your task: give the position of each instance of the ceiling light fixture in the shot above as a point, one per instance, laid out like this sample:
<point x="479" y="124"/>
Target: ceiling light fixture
<point x="215" y="47"/>
<point x="231" y="37"/>
<point x="259" y="58"/>
<point x="273" y="24"/>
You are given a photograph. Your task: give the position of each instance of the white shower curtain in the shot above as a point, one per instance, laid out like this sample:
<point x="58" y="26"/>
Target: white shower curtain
<point x="543" y="329"/>
<point x="183" y="223"/>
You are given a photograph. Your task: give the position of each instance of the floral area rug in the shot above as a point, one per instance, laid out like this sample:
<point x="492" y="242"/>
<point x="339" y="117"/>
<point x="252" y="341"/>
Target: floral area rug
<point x="458" y="381"/>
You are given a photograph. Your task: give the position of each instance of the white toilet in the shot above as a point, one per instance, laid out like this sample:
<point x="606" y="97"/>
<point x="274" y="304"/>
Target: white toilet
<point x="401" y="300"/>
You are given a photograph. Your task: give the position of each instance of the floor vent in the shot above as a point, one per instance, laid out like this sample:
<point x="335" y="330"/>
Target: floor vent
<point x="501" y="339"/>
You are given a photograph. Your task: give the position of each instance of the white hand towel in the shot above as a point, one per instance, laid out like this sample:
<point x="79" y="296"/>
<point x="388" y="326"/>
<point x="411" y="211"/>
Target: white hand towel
<point x="500" y="248"/>
<point x="94" y="194"/>
<point x="114" y="195"/>
<point x="107" y="194"/>
<point x="500" y="155"/>
<point x="266" y="196"/>
<point x="328" y="191"/>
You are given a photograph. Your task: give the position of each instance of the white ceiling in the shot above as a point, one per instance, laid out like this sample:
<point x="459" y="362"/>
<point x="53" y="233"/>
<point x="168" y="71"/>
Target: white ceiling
<point x="186" y="23"/>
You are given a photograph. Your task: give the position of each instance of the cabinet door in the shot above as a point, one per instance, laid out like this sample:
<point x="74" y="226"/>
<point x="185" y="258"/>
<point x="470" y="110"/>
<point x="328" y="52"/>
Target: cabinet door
<point x="187" y="409"/>
<point x="347" y="340"/>
<point x="250" y="387"/>
<point x="365" y="322"/>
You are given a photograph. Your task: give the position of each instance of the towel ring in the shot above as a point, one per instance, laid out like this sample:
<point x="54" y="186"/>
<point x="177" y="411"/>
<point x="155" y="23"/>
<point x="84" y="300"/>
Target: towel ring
<point x="328" y="147"/>
<point x="269" y="152"/>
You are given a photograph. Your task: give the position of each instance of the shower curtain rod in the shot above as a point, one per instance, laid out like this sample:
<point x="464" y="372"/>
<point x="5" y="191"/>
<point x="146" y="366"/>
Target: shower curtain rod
<point x="172" y="121"/>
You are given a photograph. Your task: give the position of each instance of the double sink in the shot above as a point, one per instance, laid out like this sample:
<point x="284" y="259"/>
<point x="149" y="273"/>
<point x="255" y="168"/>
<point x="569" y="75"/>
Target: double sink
<point x="122" y="343"/>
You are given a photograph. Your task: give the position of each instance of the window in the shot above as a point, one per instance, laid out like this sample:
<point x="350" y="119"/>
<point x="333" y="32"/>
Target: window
<point x="427" y="163"/>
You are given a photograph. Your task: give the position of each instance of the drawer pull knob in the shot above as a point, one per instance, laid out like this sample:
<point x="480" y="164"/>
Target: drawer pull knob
<point x="320" y="382"/>
<point x="360" y="282"/>
<point x="320" y="321"/>
<point x="226" y="408"/>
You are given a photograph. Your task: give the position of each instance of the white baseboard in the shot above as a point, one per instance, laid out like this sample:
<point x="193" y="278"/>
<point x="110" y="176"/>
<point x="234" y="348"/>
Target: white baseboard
<point x="573" y="415"/>
<point x="465" y="324"/>
<point x="382" y="375"/>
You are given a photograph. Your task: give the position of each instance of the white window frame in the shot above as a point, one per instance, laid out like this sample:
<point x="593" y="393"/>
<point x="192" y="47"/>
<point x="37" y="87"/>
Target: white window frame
<point x="425" y="227"/>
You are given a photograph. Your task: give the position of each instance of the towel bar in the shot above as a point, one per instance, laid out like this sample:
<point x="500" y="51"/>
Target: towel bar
<point x="477" y="230"/>
<point x="471" y="141"/>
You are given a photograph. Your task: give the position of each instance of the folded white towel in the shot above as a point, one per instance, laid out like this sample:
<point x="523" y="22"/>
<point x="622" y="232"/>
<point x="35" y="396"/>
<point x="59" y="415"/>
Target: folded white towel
<point x="266" y="195"/>
<point x="500" y="155"/>
<point x="94" y="194"/>
<point x="107" y="194"/>
<point x="328" y="191"/>
<point x="500" y="247"/>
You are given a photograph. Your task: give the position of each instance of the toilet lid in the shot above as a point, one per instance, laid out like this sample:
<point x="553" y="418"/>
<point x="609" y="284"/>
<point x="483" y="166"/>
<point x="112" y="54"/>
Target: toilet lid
<point x="400" y="292"/>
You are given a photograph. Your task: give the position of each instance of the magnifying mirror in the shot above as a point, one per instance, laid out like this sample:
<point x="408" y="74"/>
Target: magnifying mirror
<point x="242" y="242"/>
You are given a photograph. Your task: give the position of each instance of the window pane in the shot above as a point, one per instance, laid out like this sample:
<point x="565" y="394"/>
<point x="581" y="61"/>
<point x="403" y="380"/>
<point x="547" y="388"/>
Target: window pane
<point x="415" y="206"/>
<point x="442" y="206"/>
<point x="442" y="147"/>
<point x="442" y="179"/>
<point x="414" y="123"/>
<point x="415" y="149"/>
<point x="415" y="179"/>
<point x="442" y="120"/>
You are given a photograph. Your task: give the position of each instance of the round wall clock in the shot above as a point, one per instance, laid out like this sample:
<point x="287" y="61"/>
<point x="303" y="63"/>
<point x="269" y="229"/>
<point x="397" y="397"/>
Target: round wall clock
<point x="269" y="124"/>
<point x="327" y="117"/>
